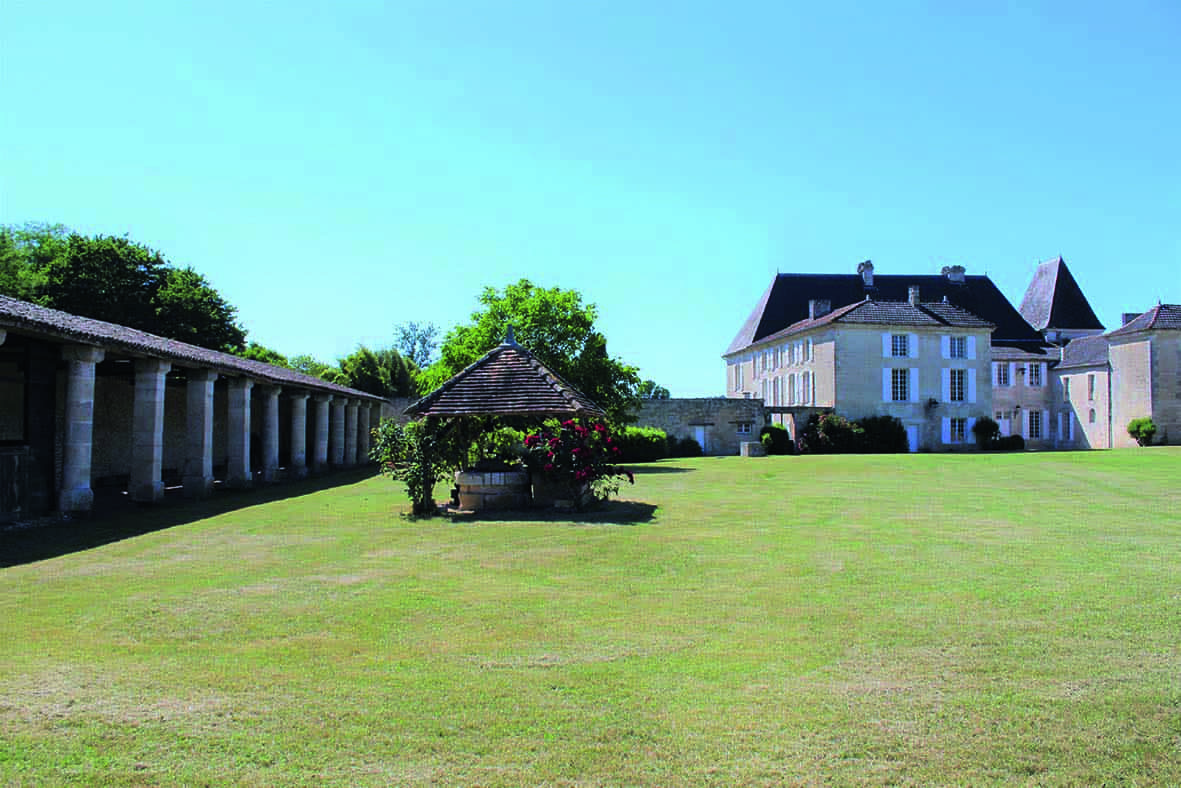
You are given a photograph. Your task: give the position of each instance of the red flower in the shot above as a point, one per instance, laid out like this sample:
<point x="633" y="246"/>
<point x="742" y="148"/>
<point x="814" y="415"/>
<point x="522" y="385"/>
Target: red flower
<point x="549" y="466"/>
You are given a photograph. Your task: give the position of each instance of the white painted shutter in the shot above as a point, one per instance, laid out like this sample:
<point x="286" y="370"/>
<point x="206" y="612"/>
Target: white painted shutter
<point x="945" y="374"/>
<point x="1045" y="380"/>
<point x="968" y="430"/>
<point x="886" y="385"/>
<point x="1012" y="373"/>
<point x="885" y="345"/>
<point x="1045" y="424"/>
<point x="1025" y="425"/>
<point x="972" y="347"/>
<point x="914" y="384"/>
<point x="994" y="372"/>
<point x="912" y="345"/>
<point x="971" y="385"/>
<point x="812" y="380"/>
<point x="945" y="346"/>
<point x="946" y="430"/>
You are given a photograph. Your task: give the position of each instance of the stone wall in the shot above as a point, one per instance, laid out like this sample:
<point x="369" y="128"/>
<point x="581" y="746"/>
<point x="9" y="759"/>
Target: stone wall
<point x="716" y="419"/>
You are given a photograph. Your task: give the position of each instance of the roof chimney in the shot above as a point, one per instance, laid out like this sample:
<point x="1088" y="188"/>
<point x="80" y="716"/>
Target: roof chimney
<point x="866" y="271"/>
<point x="818" y="307"/>
<point x="913" y="295"/>
<point x="1128" y="317"/>
<point x="954" y="273"/>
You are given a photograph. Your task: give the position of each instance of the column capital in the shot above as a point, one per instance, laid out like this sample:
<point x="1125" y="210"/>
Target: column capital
<point x="241" y="384"/>
<point x="298" y="394"/>
<point x="85" y="353"/>
<point x="153" y="366"/>
<point x="201" y="375"/>
<point x="269" y="389"/>
<point x="322" y="398"/>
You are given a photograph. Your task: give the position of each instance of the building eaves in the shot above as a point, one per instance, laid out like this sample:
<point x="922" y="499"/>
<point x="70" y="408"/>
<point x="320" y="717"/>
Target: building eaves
<point x="22" y="316"/>
<point x="1162" y="317"/>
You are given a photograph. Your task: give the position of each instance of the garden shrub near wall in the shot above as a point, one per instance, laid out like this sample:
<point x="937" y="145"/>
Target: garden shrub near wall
<point x="828" y="433"/>
<point x="641" y="444"/>
<point x="683" y="447"/>
<point x="1142" y="430"/>
<point x="776" y="439"/>
<point x="882" y="435"/>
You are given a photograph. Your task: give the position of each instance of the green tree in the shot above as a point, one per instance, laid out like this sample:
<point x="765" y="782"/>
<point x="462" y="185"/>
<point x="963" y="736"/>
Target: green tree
<point x="313" y="366"/>
<point x="417" y="342"/>
<point x="558" y="328"/>
<point x="18" y="279"/>
<point x="382" y="372"/>
<point x="257" y="352"/>
<point x="649" y="389"/>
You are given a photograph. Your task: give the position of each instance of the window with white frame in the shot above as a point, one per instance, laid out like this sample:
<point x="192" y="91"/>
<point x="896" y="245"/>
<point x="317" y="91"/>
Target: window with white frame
<point x="1066" y="389"/>
<point x="958" y="429"/>
<point x="1002" y="374"/>
<point x="807" y="387"/>
<point x="1035" y="424"/>
<point x="743" y="428"/>
<point x="899" y="345"/>
<point x="957" y="385"/>
<point x="957" y="347"/>
<point x="1035" y="375"/>
<point x="791" y="389"/>
<point x="811" y="351"/>
<point x="1090" y="387"/>
<point x="1091" y="416"/>
<point x="900" y="385"/>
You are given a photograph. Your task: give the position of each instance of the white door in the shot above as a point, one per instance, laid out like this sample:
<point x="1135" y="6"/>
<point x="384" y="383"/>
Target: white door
<point x="912" y="437"/>
<point x="1005" y="425"/>
<point x="699" y="433"/>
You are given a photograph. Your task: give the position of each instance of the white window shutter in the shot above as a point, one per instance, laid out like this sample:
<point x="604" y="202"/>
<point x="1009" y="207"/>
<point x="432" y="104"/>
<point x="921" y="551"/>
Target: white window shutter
<point x="1012" y="373"/>
<point x="914" y="384"/>
<point x="971" y="385"/>
<point x="885" y="345"/>
<point x="1045" y="380"/>
<point x="946" y="430"/>
<point x="1025" y="425"/>
<point x="945" y="346"/>
<point x="972" y="347"/>
<point x="912" y="345"/>
<point x="994" y="372"/>
<point x="946" y="377"/>
<point x="886" y="385"/>
<point x="812" y="379"/>
<point x="1045" y="424"/>
<point x="968" y="430"/>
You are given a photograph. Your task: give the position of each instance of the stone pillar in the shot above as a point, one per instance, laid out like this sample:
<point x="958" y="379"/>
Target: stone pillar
<point x="147" y="430"/>
<point x="350" y="432"/>
<point x="76" y="495"/>
<point x="298" y="467"/>
<point x="320" y="458"/>
<point x="238" y="438"/>
<point x="363" y="433"/>
<point x="270" y="433"/>
<point x="336" y="439"/>
<point x="198" y="472"/>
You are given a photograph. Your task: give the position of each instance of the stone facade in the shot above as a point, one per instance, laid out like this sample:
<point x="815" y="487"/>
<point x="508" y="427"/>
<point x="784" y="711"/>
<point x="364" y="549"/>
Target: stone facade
<point x="720" y="424"/>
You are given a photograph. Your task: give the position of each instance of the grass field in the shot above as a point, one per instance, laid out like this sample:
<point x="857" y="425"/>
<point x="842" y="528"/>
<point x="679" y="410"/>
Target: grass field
<point x="916" y="619"/>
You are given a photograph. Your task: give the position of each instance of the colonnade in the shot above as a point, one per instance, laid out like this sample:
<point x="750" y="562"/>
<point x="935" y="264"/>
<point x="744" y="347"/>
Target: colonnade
<point x="341" y="437"/>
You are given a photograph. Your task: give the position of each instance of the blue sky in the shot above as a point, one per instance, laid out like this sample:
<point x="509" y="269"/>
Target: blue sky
<point x="337" y="169"/>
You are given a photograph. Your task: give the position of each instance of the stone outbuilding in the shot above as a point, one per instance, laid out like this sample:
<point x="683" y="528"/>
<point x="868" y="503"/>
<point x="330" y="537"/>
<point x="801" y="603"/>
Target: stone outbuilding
<point x="88" y="404"/>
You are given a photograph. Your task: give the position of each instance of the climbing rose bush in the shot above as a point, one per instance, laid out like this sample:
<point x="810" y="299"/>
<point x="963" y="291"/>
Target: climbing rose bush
<point x="573" y="454"/>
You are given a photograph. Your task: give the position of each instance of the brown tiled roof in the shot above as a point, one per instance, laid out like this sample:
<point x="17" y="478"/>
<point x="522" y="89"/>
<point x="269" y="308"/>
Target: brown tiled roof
<point x="1162" y="317"/>
<point x="1021" y="352"/>
<point x="22" y="316"/>
<point x="1054" y="300"/>
<point x="887" y="313"/>
<point x="507" y="381"/>
<point x="1084" y="352"/>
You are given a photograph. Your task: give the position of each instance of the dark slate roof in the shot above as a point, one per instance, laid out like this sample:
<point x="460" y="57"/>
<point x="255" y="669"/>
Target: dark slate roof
<point x="786" y="302"/>
<point x="1162" y="317"/>
<point x="1054" y="300"/>
<point x="1084" y="352"/>
<point x="1019" y="352"/>
<point x="22" y="316"/>
<point x="887" y="313"/>
<point x="507" y="381"/>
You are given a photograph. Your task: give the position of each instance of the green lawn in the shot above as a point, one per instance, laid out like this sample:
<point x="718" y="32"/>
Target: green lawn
<point x="915" y="619"/>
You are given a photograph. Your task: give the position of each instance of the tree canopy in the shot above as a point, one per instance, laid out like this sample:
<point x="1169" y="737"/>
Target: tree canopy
<point x="417" y="342"/>
<point x="117" y="280"/>
<point x="649" y="389"/>
<point x="558" y="328"/>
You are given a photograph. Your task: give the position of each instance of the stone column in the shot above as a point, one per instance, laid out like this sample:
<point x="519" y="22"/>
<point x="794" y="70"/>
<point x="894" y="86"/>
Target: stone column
<point x="350" y="432"/>
<point x="198" y="472"/>
<point x="238" y="438"/>
<point x="298" y="467"/>
<point x="320" y="458"/>
<point x="336" y="440"/>
<point x="76" y="495"/>
<point x="363" y="433"/>
<point x="270" y="433"/>
<point x="147" y="430"/>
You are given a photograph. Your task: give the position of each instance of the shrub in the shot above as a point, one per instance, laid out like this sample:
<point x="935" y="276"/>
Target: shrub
<point x="641" y="444"/>
<point x="986" y="431"/>
<point x="572" y="454"/>
<point x="829" y="433"/>
<point x="883" y="435"/>
<point x="1142" y="430"/>
<point x="1009" y="443"/>
<point x="687" y="447"/>
<point x="418" y="454"/>
<point x="776" y="439"/>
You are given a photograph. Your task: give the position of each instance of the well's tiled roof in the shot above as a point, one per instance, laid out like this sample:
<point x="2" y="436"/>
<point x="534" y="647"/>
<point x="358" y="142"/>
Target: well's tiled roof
<point x="1054" y="300"/>
<point x="507" y="381"/>
<point x="22" y="316"/>
<point x="785" y="303"/>
<point x="887" y="313"/>
<point x="1162" y="317"/>
<point x="1084" y="352"/>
